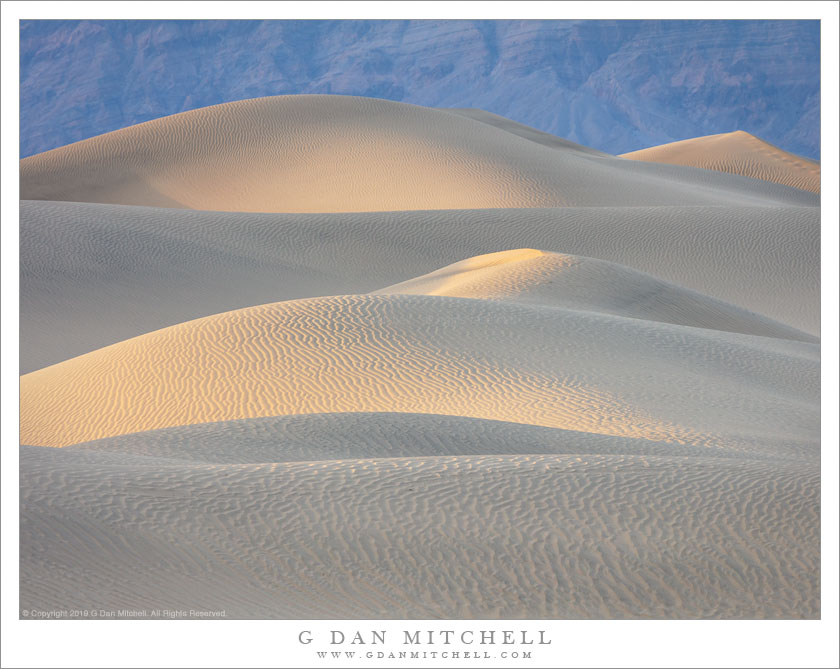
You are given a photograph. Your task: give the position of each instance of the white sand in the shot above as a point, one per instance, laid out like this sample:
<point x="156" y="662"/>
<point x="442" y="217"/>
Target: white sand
<point x="550" y="383"/>
<point x="740" y="153"/>
<point x="353" y="436"/>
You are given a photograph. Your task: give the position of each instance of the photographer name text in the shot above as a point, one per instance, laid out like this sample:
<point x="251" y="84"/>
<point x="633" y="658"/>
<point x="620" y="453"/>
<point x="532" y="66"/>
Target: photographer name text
<point x="429" y="637"/>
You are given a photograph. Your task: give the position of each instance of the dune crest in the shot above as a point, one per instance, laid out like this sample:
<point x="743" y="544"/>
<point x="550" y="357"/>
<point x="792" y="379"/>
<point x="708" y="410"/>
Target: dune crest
<point x="738" y="153"/>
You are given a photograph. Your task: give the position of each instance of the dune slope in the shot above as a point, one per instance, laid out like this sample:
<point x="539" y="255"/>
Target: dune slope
<point x="527" y="132"/>
<point x="430" y="354"/>
<point x="93" y="275"/>
<point x="311" y="153"/>
<point x="737" y="153"/>
<point x="359" y="435"/>
<point x="472" y="536"/>
<point x="575" y="282"/>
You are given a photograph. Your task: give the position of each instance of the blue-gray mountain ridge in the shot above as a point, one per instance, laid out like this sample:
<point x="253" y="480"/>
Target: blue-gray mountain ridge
<point x="616" y="86"/>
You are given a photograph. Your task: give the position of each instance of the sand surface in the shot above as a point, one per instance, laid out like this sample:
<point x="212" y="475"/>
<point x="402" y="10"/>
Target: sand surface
<point x="314" y="153"/>
<point x="739" y="153"/>
<point x="468" y="536"/>
<point x="93" y="275"/>
<point x="330" y="357"/>
<point x="586" y="284"/>
<point x="432" y="354"/>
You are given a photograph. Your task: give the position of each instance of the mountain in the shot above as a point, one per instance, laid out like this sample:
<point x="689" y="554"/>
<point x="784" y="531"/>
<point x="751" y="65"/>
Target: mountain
<point x="616" y="86"/>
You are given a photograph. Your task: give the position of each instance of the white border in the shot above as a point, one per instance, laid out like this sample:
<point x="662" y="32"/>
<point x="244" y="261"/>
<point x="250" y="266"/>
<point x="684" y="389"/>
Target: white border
<point x="273" y="643"/>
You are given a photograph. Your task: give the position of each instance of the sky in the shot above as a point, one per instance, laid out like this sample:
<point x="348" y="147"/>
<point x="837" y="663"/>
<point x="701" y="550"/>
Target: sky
<point x="616" y="86"/>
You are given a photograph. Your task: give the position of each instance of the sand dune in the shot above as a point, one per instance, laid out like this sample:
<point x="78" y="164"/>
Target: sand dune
<point x="93" y="275"/>
<point x="421" y="354"/>
<point x="424" y="537"/>
<point x="311" y="153"/>
<point x="575" y="282"/>
<point x="737" y="153"/>
<point x="420" y="363"/>
<point x="354" y="436"/>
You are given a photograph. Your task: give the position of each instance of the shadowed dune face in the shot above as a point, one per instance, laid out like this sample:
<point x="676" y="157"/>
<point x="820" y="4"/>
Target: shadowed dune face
<point x="343" y="154"/>
<point x="358" y="435"/>
<point x="737" y="153"/>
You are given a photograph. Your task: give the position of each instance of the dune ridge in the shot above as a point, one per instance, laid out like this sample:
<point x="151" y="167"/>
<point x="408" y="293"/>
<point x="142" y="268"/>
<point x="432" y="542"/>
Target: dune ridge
<point x="575" y="282"/>
<point x="738" y="153"/>
<point x="359" y="435"/>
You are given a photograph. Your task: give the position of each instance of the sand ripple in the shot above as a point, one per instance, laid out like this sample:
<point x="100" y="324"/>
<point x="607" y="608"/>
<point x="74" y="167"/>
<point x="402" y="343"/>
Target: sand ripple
<point x="518" y="536"/>
<point x="94" y="275"/>
<point x="430" y="354"/>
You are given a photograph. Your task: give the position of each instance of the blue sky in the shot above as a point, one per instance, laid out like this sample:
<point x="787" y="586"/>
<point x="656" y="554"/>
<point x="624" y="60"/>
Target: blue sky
<point x="613" y="85"/>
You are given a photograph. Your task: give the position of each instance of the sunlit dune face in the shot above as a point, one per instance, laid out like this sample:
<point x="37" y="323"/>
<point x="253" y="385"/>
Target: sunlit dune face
<point x="586" y="284"/>
<point x="737" y="153"/>
<point x="501" y="275"/>
<point x="414" y="354"/>
<point x="335" y="356"/>
<point x="349" y="172"/>
<point x="297" y="156"/>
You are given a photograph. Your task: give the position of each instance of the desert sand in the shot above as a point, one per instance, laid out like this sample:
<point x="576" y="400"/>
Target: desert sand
<point x="320" y="153"/>
<point x="740" y="153"/>
<point x="333" y="357"/>
<point x="95" y="275"/>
